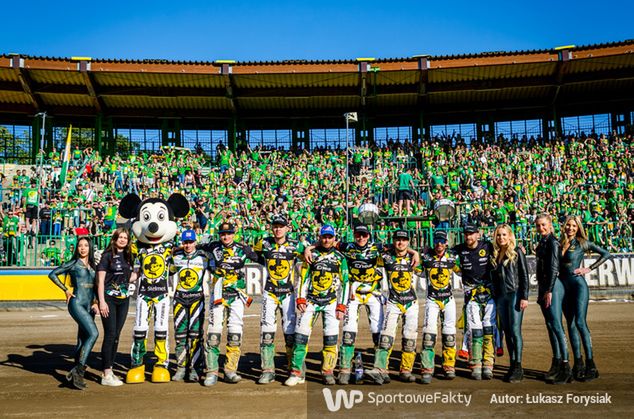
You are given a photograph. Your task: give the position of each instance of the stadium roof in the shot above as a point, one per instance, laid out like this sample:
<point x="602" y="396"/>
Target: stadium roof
<point x="589" y="78"/>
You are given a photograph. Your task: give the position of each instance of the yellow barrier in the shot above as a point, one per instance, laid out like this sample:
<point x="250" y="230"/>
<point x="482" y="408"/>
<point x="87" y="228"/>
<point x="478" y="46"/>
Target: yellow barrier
<point x="28" y="285"/>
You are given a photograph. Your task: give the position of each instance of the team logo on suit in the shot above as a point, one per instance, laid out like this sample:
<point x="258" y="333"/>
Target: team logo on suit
<point x="278" y="269"/>
<point x="188" y="278"/>
<point x="401" y="280"/>
<point x="439" y="278"/>
<point x="154" y="267"/>
<point x="322" y="281"/>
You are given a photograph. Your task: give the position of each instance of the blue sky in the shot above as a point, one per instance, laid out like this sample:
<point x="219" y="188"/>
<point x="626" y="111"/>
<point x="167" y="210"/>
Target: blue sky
<point x="281" y="30"/>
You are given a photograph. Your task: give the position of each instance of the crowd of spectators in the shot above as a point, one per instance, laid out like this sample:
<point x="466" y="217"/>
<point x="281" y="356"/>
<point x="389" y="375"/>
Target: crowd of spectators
<point x="489" y="182"/>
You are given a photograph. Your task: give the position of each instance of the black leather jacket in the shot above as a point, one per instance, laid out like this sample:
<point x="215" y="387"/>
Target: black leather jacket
<point x="511" y="277"/>
<point x="547" y="258"/>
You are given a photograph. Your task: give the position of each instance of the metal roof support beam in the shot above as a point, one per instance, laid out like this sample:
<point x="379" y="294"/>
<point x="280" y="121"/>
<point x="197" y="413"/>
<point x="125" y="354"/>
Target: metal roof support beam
<point x="300" y="132"/>
<point x="37" y="141"/>
<point x="226" y="70"/>
<point x="620" y="120"/>
<point x="83" y="66"/>
<point x="564" y="56"/>
<point x="303" y="92"/>
<point x="423" y="68"/>
<point x="596" y="101"/>
<point x="557" y="122"/>
<point x="110" y="138"/>
<point x="232" y="133"/>
<point x="545" y="126"/>
<point x="17" y="63"/>
<point x="363" y="74"/>
<point x="99" y="134"/>
<point x="368" y="126"/>
<point x="416" y="125"/>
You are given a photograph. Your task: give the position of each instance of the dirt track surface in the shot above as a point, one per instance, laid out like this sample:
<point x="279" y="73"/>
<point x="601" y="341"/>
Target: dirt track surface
<point x="36" y="352"/>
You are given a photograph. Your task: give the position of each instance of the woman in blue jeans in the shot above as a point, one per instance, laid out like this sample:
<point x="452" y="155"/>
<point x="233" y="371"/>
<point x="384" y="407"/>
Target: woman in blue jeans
<point x="550" y="299"/>
<point x="574" y="245"/>
<point x="510" y="288"/>
<point x="81" y="304"/>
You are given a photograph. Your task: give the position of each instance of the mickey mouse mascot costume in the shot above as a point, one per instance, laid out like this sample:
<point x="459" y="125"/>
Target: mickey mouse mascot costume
<point x="152" y="222"/>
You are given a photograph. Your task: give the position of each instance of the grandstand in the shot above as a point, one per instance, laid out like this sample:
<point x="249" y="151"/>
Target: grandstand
<point x="503" y="135"/>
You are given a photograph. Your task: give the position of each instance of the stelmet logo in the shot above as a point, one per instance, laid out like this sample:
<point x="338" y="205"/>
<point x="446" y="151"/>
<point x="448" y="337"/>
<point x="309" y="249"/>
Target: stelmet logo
<point x="348" y="398"/>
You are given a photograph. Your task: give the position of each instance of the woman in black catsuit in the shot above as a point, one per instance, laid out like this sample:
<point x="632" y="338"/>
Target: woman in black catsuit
<point x="574" y="246"/>
<point x="81" y="304"/>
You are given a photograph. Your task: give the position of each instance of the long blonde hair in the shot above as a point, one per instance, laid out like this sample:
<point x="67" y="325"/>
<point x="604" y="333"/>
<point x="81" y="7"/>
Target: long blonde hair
<point x="509" y="254"/>
<point x="581" y="235"/>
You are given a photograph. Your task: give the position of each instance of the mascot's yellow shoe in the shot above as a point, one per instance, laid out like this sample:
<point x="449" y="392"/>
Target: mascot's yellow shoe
<point x="135" y="375"/>
<point x="160" y="375"/>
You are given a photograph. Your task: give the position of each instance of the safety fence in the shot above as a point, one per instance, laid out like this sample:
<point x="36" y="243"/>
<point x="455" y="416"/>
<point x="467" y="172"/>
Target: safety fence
<point x="27" y="250"/>
<point x="30" y="250"/>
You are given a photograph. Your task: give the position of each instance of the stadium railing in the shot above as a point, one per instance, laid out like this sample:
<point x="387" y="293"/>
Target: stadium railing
<point x="31" y="250"/>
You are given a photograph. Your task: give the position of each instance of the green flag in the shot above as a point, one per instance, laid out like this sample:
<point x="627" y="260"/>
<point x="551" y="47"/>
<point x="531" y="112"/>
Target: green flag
<point x="66" y="160"/>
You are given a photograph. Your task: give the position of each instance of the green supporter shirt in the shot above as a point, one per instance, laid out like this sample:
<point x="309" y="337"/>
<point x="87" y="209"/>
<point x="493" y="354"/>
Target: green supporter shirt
<point x="426" y="223"/>
<point x="501" y="215"/>
<point x="587" y="216"/>
<point x="598" y="228"/>
<point x="10" y="224"/>
<point x="612" y="204"/>
<point x="455" y="186"/>
<point x="31" y="196"/>
<point x="110" y="213"/>
<point x="404" y="181"/>
<point x="52" y="253"/>
<point x="224" y="158"/>
<point x="68" y="255"/>
<point x="438" y="180"/>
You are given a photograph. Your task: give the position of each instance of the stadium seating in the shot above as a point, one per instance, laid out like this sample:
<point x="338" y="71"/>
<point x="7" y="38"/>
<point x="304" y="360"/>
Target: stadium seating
<point x="492" y="182"/>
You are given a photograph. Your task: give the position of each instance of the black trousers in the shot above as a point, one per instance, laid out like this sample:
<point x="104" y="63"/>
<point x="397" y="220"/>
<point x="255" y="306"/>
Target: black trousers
<point x="112" y="325"/>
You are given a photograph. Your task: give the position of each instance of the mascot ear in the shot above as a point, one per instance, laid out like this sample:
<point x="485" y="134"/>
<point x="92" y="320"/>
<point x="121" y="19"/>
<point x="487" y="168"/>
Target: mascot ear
<point x="179" y="205"/>
<point x="128" y="205"/>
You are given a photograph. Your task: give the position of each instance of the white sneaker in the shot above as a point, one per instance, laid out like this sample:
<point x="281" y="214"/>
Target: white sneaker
<point x="293" y="380"/>
<point x="111" y="380"/>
